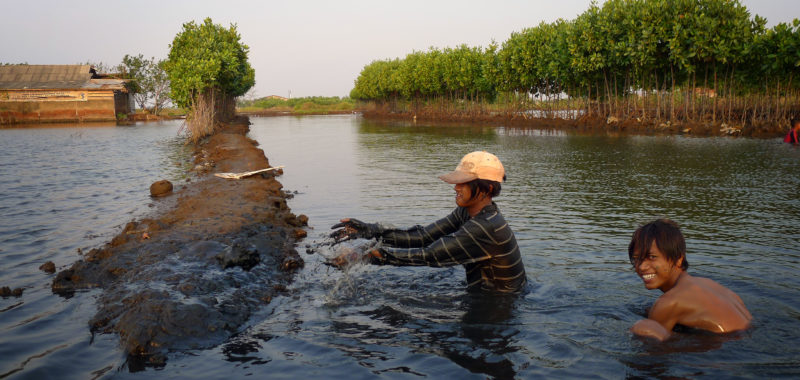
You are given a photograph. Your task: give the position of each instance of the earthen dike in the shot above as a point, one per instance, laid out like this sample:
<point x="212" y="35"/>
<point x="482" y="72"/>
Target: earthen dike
<point x="216" y="251"/>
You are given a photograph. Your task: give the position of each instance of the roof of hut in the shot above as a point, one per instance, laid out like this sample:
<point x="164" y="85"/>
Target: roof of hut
<point x="25" y="77"/>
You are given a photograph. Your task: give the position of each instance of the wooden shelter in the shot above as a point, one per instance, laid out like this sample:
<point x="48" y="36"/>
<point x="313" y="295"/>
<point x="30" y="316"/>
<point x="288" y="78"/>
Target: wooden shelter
<point x="60" y="93"/>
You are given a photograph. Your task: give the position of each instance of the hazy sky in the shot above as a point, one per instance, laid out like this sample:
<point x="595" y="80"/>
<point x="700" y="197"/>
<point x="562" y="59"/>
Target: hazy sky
<point x="303" y="46"/>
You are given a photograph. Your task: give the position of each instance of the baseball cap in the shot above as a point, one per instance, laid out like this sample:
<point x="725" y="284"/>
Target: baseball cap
<point x="476" y="165"/>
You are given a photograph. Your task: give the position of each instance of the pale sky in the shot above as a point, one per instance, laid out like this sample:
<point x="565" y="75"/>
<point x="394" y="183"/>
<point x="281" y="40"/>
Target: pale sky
<point x="308" y="47"/>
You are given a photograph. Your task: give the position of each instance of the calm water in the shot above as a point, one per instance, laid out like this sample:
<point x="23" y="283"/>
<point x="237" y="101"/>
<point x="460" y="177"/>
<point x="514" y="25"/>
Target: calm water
<point x="572" y="200"/>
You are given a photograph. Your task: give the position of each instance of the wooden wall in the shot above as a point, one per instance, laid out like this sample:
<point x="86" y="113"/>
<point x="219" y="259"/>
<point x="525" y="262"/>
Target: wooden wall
<point x="43" y="106"/>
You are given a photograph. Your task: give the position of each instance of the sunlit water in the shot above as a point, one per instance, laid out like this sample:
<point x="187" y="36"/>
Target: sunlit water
<point x="572" y="200"/>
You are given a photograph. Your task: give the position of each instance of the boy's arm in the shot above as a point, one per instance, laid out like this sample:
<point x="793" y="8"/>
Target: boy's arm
<point x="659" y="323"/>
<point x="650" y="328"/>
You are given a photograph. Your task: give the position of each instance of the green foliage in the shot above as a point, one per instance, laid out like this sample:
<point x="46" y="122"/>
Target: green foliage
<point x="378" y="80"/>
<point x="135" y="68"/>
<point x="149" y="83"/>
<point x="460" y="72"/>
<point x="535" y="60"/>
<point x="611" y="55"/>
<point x="310" y="104"/>
<point x="207" y="56"/>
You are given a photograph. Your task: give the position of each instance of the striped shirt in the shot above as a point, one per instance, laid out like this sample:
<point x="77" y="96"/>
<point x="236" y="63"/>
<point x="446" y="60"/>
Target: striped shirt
<point x="484" y="245"/>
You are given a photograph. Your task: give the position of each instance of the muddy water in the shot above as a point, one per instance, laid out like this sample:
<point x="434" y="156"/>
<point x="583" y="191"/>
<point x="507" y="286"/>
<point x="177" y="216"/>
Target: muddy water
<point x="572" y="200"/>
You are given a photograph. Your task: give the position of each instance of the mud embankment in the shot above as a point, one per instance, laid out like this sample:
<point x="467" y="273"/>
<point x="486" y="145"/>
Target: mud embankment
<point x="585" y="124"/>
<point x="216" y="251"/>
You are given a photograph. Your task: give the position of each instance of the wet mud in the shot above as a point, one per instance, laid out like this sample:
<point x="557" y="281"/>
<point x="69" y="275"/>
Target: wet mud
<point x="217" y="251"/>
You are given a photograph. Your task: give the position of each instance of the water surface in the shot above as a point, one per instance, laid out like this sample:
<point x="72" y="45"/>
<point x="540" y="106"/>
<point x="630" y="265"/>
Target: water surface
<point x="65" y="188"/>
<point x="572" y="200"/>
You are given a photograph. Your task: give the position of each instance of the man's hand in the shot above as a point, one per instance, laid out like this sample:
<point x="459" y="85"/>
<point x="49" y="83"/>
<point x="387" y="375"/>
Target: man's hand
<point x="350" y="256"/>
<point x="344" y="259"/>
<point x="349" y="228"/>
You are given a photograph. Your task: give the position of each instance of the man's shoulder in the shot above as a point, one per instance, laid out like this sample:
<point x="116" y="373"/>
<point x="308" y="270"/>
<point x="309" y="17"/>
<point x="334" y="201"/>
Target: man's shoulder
<point x="688" y="292"/>
<point x="699" y="285"/>
<point x="676" y="296"/>
<point x="669" y="299"/>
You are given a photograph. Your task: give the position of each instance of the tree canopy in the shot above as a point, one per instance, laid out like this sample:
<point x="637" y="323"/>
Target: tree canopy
<point x="207" y="56"/>
<point x="630" y="58"/>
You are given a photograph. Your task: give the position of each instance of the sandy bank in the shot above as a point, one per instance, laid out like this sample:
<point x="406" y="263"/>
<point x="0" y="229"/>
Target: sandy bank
<point x="216" y="251"/>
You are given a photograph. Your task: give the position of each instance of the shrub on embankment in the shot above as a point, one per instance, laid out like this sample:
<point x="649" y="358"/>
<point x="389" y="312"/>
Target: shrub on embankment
<point x="654" y="61"/>
<point x="207" y="68"/>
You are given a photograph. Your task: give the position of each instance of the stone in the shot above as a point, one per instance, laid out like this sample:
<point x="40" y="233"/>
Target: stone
<point x="7" y="292"/>
<point x="48" y="267"/>
<point x="160" y="188"/>
<point x="303" y="219"/>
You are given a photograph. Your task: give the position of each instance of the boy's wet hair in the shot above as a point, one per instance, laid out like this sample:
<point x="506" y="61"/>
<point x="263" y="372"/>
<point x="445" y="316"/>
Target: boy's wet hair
<point x="795" y="120"/>
<point x="668" y="238"/>
<point x="490" y="188"/>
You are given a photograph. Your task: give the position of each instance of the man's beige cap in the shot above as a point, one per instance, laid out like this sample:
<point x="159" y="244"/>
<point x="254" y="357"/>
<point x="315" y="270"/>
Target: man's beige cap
<point x="476" y="165"/>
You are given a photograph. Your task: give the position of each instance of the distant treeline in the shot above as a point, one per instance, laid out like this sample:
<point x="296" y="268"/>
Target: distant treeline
<point x="302" y="105"/>
<point x="677" y="60"/>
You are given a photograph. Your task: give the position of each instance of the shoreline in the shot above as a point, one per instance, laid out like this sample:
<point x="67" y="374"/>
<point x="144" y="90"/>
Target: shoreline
<point x="585" y="124"/>
<point x="590" y="124"/>
<point x="270" y="113"/>
<point x="215" y="252"/>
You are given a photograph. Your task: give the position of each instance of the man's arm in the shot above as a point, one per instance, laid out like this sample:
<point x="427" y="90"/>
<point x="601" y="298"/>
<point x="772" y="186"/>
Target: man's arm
<point x="419" y="236"/>
<point x="467" y="245"/>
<point x="659" y="323"/>
<point x="650" y="328"/>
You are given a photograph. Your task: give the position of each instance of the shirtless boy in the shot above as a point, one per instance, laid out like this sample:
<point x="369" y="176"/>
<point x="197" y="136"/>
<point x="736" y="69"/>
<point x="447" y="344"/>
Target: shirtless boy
<point x="658" y="254"/>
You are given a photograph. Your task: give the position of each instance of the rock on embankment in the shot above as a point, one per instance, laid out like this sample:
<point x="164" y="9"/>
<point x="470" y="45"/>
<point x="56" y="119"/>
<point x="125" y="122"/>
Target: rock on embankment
<point x="191" y="276"/>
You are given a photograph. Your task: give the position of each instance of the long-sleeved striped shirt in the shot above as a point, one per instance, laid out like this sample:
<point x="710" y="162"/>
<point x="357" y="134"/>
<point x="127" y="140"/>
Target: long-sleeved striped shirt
<point x="484" y="245"/>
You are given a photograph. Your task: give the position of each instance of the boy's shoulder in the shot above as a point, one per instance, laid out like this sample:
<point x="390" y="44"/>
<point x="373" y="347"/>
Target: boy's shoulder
<point x="690" y="293"/>
<point x="683" y="293"/>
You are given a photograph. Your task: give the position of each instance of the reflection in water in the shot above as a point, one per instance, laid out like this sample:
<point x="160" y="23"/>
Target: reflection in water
<point x="491" y="337"/>
<point x="479" y="341"/>
<point x="657" y="358"/>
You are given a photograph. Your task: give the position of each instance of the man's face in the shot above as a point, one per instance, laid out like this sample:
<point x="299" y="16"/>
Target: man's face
<point x="464" y="196"/>
<point x="656" y="271"/>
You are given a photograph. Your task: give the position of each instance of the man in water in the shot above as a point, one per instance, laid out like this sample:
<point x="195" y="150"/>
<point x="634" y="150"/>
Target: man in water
<point x="794" y="132"/>
<point x="658" y="254"/>
<point x="474" y="235"/>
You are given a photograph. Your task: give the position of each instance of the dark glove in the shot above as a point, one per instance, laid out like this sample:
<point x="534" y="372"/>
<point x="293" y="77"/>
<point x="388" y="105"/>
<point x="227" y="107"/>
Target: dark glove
<point x="353" y="228"/>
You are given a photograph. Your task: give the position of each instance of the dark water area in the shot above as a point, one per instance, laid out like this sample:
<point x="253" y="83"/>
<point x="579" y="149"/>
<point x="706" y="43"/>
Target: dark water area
<point x="572" y="200"/>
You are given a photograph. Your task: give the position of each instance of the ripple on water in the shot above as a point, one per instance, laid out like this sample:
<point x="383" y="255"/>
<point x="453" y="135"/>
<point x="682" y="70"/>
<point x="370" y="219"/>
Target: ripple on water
<point x="573" y="202"/>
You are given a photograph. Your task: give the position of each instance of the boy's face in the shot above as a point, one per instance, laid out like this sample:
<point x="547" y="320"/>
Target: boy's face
<point x="657" y="271"/>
